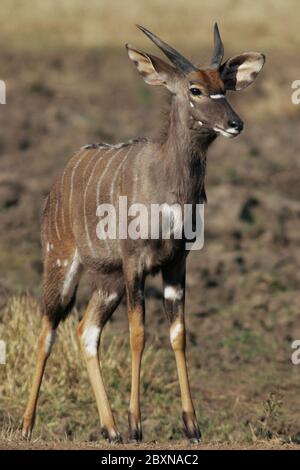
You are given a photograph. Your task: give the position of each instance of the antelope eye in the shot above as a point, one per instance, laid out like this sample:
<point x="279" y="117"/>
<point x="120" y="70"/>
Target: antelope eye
<point x="195" y="91"/>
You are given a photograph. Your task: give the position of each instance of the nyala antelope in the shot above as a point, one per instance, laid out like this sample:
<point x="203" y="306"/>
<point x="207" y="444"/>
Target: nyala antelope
<point x="170" y="170"/>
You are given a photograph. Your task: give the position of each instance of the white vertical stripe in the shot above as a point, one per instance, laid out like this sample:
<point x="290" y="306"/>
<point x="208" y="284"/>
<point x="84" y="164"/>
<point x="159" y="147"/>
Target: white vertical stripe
<point x="99" y="185"/>
<point x="55" y="218"/>
<point x="134" y="180"/>
<point x="62" y="205"/>
<point x="72" y="183"/>
<point x="85" y="196"/>
<point x="113" y="184"/>
<point x="116" y="174"/>
<point x="104" y="173"/>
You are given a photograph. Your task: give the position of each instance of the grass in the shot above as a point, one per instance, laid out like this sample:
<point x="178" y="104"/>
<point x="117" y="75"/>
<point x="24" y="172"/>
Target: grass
<point x="67" y="410"/>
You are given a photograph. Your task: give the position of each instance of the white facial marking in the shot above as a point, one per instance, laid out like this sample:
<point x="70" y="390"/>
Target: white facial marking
<point x="49" y="340"/>
<point x="229" y="133"/>
<point x="171" y="293"/>
<point x="200" y="123"/>
<point x="192" y="104"/>
<point x="48" y="247"/>
<point x="71" y="279"/>
<point x="217" y="96"/>
<point x="90" y="338"/>
<point x="175" y="331"/>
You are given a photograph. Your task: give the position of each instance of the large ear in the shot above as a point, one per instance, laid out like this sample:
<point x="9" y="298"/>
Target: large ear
<point x="240" y="71"/>
<point x="153" y="70"/>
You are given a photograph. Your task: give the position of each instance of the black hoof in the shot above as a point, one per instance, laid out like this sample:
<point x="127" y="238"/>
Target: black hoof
<point x="113" y="437"/>
<point x="135" y="435"/>
<point x="135" y="430"/>
<point x="192" y="430"/>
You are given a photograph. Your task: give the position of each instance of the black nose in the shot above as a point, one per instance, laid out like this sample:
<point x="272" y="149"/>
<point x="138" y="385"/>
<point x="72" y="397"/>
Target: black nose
<point x="237" y="124"/>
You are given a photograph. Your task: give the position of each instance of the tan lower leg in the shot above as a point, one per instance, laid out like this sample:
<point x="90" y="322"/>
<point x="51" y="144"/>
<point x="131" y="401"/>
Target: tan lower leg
<point x="89" y="339"/>
<point x="44" y="348"/>
<point x="137" y="341"/>
<point x="105" y="413"/>
<point x="177" y="337"/>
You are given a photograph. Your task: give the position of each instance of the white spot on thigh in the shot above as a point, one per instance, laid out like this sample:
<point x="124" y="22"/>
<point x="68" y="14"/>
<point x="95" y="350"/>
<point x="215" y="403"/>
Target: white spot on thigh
<point x="51" y="246"/>
<point x="48" y="247"/>
<point x="175" y="331"/>
<point x="71" y="279"/>
<point x="171" y="293"/>
<point x="58" y="262"/>
<point x="90" y="339"/>
<point x="49" y="340"/>
<point x="66" y="262"/>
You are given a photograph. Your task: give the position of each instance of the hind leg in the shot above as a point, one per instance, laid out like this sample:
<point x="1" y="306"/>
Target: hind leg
<point x="45" y="342"/>
<point x="100" y="308"/>
<point x="59" y="288"/>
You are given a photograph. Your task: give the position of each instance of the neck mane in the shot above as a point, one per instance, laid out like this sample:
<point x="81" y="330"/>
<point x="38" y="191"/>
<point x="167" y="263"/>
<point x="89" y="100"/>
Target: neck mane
<point x="184" y="150"/>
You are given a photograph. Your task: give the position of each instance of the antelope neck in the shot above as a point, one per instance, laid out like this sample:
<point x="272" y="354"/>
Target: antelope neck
<point x="184" y="151"/>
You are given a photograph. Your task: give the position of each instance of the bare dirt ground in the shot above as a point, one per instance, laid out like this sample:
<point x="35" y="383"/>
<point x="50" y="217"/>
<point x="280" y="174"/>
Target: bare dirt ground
<point x="242" y="288"/>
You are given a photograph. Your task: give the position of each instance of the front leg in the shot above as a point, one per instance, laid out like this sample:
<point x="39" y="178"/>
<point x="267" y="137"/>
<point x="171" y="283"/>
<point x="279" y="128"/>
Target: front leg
<point x="136" y="317"/>
<point x="174" y="298"/>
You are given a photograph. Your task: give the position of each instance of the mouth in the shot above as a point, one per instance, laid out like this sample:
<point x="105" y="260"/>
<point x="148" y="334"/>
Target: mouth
<point x="229" y="133"/>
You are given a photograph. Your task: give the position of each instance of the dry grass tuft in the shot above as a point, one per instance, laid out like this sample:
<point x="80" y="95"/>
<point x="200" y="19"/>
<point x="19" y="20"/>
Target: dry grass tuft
<point x="67" y="408"/>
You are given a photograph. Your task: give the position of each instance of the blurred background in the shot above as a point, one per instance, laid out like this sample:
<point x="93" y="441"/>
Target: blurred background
<point x="69" y="82"/>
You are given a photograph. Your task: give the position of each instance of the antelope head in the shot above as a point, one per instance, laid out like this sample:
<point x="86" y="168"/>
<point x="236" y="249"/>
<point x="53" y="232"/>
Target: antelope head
<point x="201" y="90"/>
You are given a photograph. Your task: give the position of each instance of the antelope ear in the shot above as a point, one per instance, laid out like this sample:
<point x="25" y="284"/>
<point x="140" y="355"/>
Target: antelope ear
<point x="240" y="71"/>
<point x="153" y="70"/>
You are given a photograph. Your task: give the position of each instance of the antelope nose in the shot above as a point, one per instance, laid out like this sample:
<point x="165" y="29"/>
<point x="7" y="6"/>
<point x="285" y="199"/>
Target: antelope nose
<point x="236" y="124"/>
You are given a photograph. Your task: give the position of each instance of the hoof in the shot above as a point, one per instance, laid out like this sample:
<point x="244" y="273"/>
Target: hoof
<point x="135" y="430"/>
<point x="191" y="428"/>
<point x="26" y="430"/>
<point x="114" y="437"/>
<point x="135" y="435"/>
<point x="194" y="440"/>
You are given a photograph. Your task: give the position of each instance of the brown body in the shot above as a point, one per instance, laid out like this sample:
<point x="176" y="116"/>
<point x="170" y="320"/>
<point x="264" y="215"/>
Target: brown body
<point x="168" y="171"/>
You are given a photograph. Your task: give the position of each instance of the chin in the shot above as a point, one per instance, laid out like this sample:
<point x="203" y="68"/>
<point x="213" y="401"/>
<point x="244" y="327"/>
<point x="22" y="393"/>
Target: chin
<point x="228" y="133"/>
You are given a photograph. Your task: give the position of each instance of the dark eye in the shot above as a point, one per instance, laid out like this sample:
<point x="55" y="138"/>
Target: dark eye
<point x="195" y="91"/>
